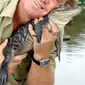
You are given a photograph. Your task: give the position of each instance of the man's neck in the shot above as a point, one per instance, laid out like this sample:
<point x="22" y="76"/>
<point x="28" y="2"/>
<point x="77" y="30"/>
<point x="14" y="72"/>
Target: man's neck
<point x="20" y="17"/>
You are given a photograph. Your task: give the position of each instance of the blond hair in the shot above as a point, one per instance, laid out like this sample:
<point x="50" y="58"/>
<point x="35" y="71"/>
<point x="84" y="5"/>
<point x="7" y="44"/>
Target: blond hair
<point x="72" y="3"/>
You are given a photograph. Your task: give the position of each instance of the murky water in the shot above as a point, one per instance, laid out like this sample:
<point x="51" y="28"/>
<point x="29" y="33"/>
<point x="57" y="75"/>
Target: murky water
<point x="71" y="69"/>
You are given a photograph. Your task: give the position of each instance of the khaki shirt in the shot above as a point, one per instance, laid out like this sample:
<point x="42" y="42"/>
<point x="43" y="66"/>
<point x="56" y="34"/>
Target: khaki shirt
<point x="7" y="9"/>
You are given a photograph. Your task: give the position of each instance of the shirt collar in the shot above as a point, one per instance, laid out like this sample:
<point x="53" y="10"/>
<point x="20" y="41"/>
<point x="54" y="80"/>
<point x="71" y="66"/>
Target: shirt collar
<point x="10" y="9"/>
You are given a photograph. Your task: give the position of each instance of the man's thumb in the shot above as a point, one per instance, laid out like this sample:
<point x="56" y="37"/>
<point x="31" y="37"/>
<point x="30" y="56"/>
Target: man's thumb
<point x="3" y="45"/>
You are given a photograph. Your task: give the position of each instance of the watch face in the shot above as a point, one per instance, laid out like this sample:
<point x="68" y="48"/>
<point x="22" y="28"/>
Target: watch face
<point x="44" y="62"/>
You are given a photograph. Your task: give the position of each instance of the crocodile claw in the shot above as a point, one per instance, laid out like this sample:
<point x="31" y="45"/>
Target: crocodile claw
<point x="3" y="77"/>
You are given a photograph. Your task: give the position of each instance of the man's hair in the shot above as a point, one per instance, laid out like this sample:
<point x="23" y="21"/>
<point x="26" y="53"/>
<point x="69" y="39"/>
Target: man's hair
<point x="72" y="3"/>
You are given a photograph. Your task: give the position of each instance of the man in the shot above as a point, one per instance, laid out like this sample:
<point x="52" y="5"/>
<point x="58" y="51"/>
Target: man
<point x="13" y="13"/>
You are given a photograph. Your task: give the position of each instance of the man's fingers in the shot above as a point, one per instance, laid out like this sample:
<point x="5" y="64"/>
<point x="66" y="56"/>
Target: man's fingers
<point x="3" y="45"/>
<point x="19" y="58"/>
<point x="35" y="21"/>
<point x="54" y="28"/>
<point x="45" y="30"/>
<point x="32" y="32"/>
<point x="14" y="62"/>
<point x="41" y="18"/>
<point x="24" y="56"/>
<point x="49" y="27"/>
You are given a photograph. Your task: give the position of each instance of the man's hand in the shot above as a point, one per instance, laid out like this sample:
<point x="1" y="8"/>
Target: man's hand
<point x="2" y="46"/>
<point x="13" y="62"/>
<point x="44" y="47"/>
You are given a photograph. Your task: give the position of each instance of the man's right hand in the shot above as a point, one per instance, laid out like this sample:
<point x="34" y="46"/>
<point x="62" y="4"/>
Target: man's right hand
<point x="42" y="50"/>
<point x="2" y="46"/>
<point x="13" y="62"/>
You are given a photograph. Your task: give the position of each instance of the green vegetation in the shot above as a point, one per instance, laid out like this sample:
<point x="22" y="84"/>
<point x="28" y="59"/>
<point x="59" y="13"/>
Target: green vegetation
<point x="82" y="3"/>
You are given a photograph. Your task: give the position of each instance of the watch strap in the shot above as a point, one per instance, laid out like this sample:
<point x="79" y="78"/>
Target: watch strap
<point x="31" y="54"/>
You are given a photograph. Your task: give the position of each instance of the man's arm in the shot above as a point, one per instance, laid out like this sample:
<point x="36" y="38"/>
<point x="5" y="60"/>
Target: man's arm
<point x="42" y="75"/>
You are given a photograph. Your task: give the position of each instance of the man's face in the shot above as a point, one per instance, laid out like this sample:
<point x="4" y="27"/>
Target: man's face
<point x="39" y="8"/>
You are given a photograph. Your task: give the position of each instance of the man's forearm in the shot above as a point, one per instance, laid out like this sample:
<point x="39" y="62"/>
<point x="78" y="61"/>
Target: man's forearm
<point x="40" y="75"/>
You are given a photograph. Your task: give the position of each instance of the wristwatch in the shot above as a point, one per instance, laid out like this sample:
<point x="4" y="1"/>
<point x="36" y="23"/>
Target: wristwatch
<point x="43" y="62"/>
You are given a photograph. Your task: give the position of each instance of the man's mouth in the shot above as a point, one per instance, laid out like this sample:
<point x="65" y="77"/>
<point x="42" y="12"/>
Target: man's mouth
<point x="38" y="4"/>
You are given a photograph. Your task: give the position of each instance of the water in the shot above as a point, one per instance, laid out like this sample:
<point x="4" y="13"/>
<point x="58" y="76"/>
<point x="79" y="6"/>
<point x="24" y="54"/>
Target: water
<point x="71" y="69"/>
